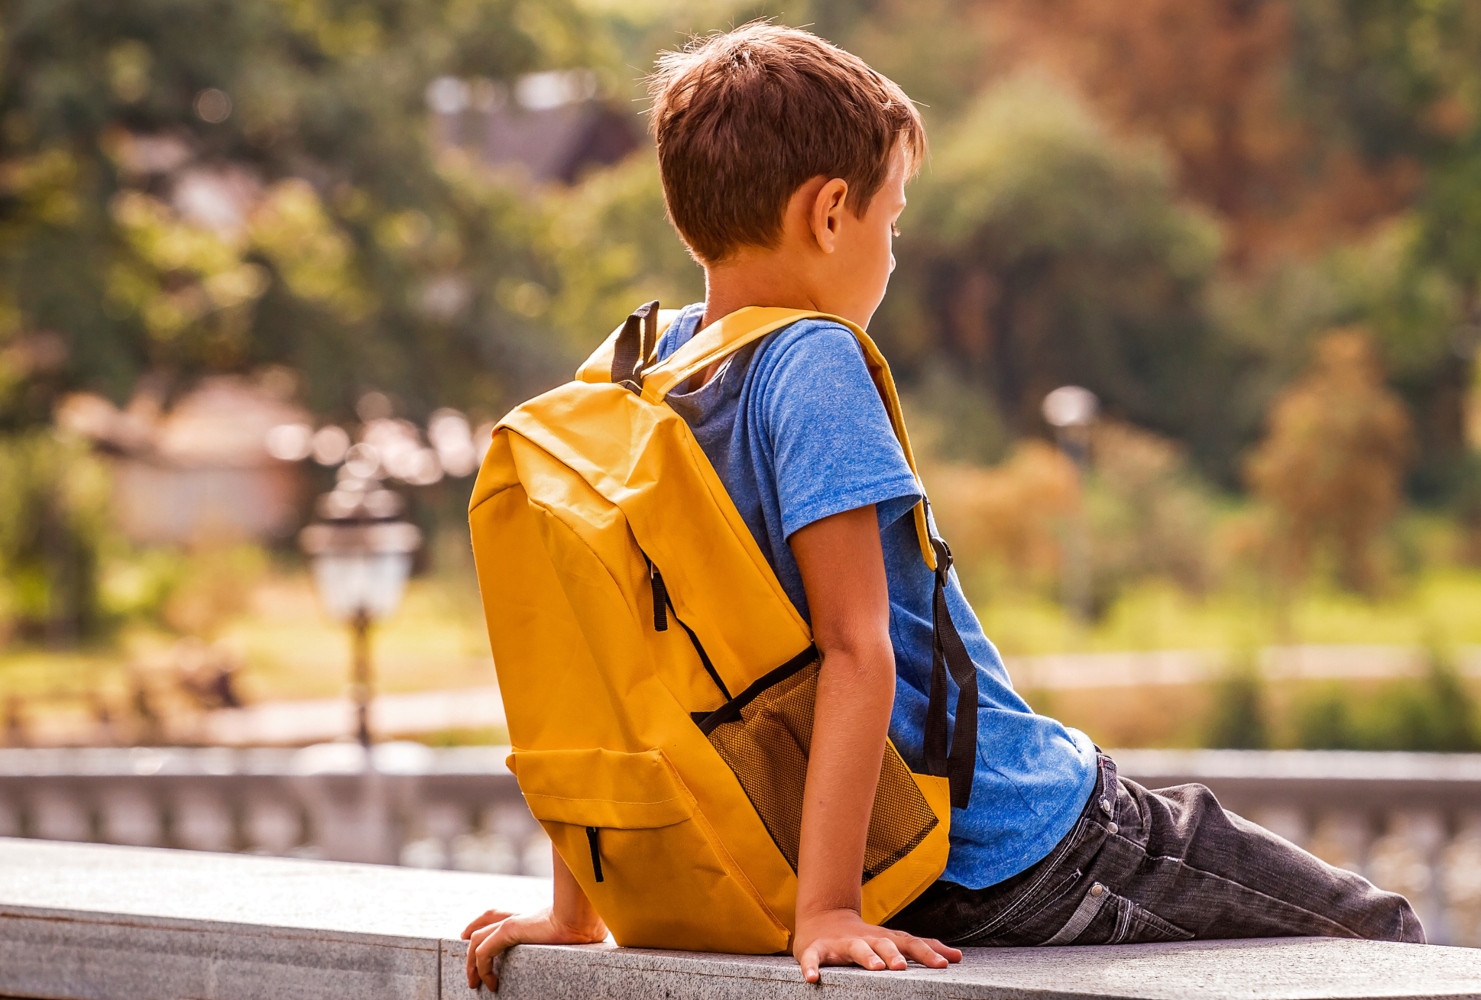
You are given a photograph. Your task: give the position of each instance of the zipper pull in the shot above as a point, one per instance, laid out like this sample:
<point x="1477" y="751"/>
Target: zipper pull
<point x="596" y="852"/>
<point x="660" y="599"/>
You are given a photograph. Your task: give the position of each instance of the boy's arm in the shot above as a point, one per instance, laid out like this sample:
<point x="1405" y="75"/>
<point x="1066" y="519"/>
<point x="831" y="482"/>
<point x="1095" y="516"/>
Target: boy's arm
<point x="843" y="575"/>
<point x="570" y="919"/>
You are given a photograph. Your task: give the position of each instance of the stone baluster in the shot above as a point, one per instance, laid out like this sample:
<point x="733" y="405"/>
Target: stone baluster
<point x="59" y="813"/>
<point x="10" y="816"/>
<point x="1460" y="881"/>
<point x="1341" y="838"/>
<point x="130" y="816"/>
<point x="272" y="823"/>
<point x="202" y="818"/>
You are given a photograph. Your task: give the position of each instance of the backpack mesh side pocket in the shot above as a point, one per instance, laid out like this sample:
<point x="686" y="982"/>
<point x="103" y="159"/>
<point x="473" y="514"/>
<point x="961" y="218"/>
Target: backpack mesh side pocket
<point x="764" y="735"/>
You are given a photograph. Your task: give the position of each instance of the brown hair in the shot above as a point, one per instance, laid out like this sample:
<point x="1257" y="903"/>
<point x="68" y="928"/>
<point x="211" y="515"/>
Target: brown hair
<point x="743" y="119"/>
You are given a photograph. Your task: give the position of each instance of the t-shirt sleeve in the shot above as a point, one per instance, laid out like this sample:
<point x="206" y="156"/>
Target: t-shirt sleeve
<point x="833" y="446"/>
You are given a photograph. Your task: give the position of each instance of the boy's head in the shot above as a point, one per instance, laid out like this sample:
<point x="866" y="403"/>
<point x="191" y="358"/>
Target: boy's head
<point x="744" y="121"/>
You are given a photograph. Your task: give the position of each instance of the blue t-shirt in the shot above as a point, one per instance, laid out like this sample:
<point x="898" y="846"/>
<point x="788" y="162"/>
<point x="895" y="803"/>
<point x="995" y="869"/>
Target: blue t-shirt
<point x="796" y="430"/>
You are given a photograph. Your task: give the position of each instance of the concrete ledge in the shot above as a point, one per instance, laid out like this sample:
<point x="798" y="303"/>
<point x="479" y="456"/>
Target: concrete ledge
<point x="97" y="923"/>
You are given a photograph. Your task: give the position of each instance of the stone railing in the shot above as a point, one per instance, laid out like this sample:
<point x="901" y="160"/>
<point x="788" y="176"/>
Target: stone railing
<point x="90" y="922"/>
<point x="448" y="808"/>
<point x="1410" y="822"/>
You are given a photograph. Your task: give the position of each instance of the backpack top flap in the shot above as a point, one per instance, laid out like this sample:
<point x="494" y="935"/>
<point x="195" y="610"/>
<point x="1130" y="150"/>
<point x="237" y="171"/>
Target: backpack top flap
<point x="643" y="460"/>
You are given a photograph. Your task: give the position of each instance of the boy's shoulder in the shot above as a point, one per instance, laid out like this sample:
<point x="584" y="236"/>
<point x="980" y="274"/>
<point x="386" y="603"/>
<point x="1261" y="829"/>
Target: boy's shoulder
<point x="815" y="340"/>
<point x="815" y="349"/>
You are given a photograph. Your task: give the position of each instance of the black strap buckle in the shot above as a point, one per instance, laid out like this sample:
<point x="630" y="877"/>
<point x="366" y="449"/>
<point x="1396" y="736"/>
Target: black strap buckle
<point x="943" y="555"/>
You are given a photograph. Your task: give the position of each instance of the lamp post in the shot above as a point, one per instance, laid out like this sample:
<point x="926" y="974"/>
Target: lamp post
<point x="1070" y="410"/>
<point x="361" y="558"/>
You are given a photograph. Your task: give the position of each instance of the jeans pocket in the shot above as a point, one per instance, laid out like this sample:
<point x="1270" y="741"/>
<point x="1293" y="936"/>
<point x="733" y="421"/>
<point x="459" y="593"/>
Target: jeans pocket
<point x="1098" y="904"/>
<point x="1103" y="917"/>
<point x="1015" y="924"/>
<point x="1144" y="926"/>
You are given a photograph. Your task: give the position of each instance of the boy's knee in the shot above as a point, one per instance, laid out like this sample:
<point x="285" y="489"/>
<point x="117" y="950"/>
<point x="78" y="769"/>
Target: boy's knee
<point x="1410" y="930"/>
<point x="1387" y="916"/>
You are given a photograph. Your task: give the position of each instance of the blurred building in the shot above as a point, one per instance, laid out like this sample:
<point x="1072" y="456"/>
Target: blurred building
<point x="199" y="472"/>
<point x="549" y="126"/>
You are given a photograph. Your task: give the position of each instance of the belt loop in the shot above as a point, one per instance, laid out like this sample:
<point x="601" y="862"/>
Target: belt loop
<point x="1108" y="787"/>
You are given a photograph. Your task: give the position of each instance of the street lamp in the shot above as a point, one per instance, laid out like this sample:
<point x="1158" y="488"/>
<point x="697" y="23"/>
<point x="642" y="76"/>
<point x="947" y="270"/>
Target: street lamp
<point x="361" y="558"/>
<point x="1070" y="410"/>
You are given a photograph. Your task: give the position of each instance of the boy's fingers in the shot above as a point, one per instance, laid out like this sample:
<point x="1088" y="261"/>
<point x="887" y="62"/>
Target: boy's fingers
<point x="946" y="951"/>
<point x="474" y="940"/>
<point x="809" y="963"/>
<point x="472" y="967"/>
<point x="490" y="948"/>
<point x="886" y="950"/>
<point x="861" y="954"/>
<point x="483" y="920"/>
<point x="923" y="953"/>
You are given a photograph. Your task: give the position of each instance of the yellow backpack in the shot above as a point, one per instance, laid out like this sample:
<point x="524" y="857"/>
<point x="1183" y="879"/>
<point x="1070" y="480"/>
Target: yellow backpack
<point x="667" y="763"/>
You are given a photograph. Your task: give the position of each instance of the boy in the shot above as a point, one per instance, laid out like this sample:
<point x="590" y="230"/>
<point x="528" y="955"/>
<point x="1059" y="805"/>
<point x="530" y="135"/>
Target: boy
<point x="784" y="162"/>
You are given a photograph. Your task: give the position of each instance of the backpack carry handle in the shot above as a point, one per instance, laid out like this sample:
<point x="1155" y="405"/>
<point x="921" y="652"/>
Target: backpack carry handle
<point x="635" y="342"/>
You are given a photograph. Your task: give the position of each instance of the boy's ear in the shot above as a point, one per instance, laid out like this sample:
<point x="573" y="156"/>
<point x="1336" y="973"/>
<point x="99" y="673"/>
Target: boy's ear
<point x="828" y="209"/>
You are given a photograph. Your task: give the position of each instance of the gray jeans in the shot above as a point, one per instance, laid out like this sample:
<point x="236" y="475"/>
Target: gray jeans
<point x="1166" y="865"/>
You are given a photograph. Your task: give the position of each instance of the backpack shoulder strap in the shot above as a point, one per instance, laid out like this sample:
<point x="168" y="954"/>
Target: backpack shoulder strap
<point x="744" y="326"/>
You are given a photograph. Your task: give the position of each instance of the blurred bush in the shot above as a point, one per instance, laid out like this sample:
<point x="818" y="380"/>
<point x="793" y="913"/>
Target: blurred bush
<point x="53" y="495"/>
<point x="1240" y="715"/>
<point x="1434" y="713"/>
<point x="1006" y="523"/>
<point x="1150" y="513"/>
<point x="212" y="587"/>
<point x="1332" y="466"/>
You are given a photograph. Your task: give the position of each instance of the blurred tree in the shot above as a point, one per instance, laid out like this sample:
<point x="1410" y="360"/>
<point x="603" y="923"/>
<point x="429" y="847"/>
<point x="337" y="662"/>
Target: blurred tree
<point x="1401" y="81"/>
<point x="1213" y="82"/>
<point x="611" y="249"/>
<point x="1045" y="252"/>
<point x="194" y="186"/>
<point x="1332" y="465"/>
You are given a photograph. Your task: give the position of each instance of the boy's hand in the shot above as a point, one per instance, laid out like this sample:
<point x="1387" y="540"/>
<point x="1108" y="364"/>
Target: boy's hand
<point x="493" y="933"/>
<point x="841" y="937"/>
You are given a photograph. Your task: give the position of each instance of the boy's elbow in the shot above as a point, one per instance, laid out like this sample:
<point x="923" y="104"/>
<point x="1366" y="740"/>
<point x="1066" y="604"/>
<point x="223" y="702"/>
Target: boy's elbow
<point x="862" y="658"/>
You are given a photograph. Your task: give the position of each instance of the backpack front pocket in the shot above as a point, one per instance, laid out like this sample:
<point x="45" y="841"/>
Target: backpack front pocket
<point x="764" y="735"/>
<point x="645" y="855"/>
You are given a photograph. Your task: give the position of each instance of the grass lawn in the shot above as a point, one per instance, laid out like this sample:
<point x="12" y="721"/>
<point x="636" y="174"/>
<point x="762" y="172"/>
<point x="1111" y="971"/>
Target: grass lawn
<point x="1443" y="607"/>
<point x="290" y="650"/>
<point x="287" y="647"/>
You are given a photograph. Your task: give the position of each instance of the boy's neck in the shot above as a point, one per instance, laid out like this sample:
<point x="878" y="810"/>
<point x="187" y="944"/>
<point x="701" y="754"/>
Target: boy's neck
<point x="755" y="278"/>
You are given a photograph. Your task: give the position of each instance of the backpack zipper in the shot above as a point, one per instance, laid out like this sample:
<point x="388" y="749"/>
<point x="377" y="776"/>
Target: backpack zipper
<point x="662" y="606"/>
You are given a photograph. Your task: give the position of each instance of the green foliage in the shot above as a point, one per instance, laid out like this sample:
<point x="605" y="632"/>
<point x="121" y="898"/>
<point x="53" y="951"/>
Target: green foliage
<point x="1435" y="713"/>
<point x="612" y="250"/>
<point x="1150" y="515"/>
<point x="1239" y="719"/>
<point x="1044" y="252"/>
<point x="1401" y="82"/>
<point x="313" y="110"/>
<point x="52" y="520"/>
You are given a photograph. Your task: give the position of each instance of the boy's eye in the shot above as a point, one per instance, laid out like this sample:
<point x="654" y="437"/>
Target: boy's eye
<point x="894" y="230"/>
